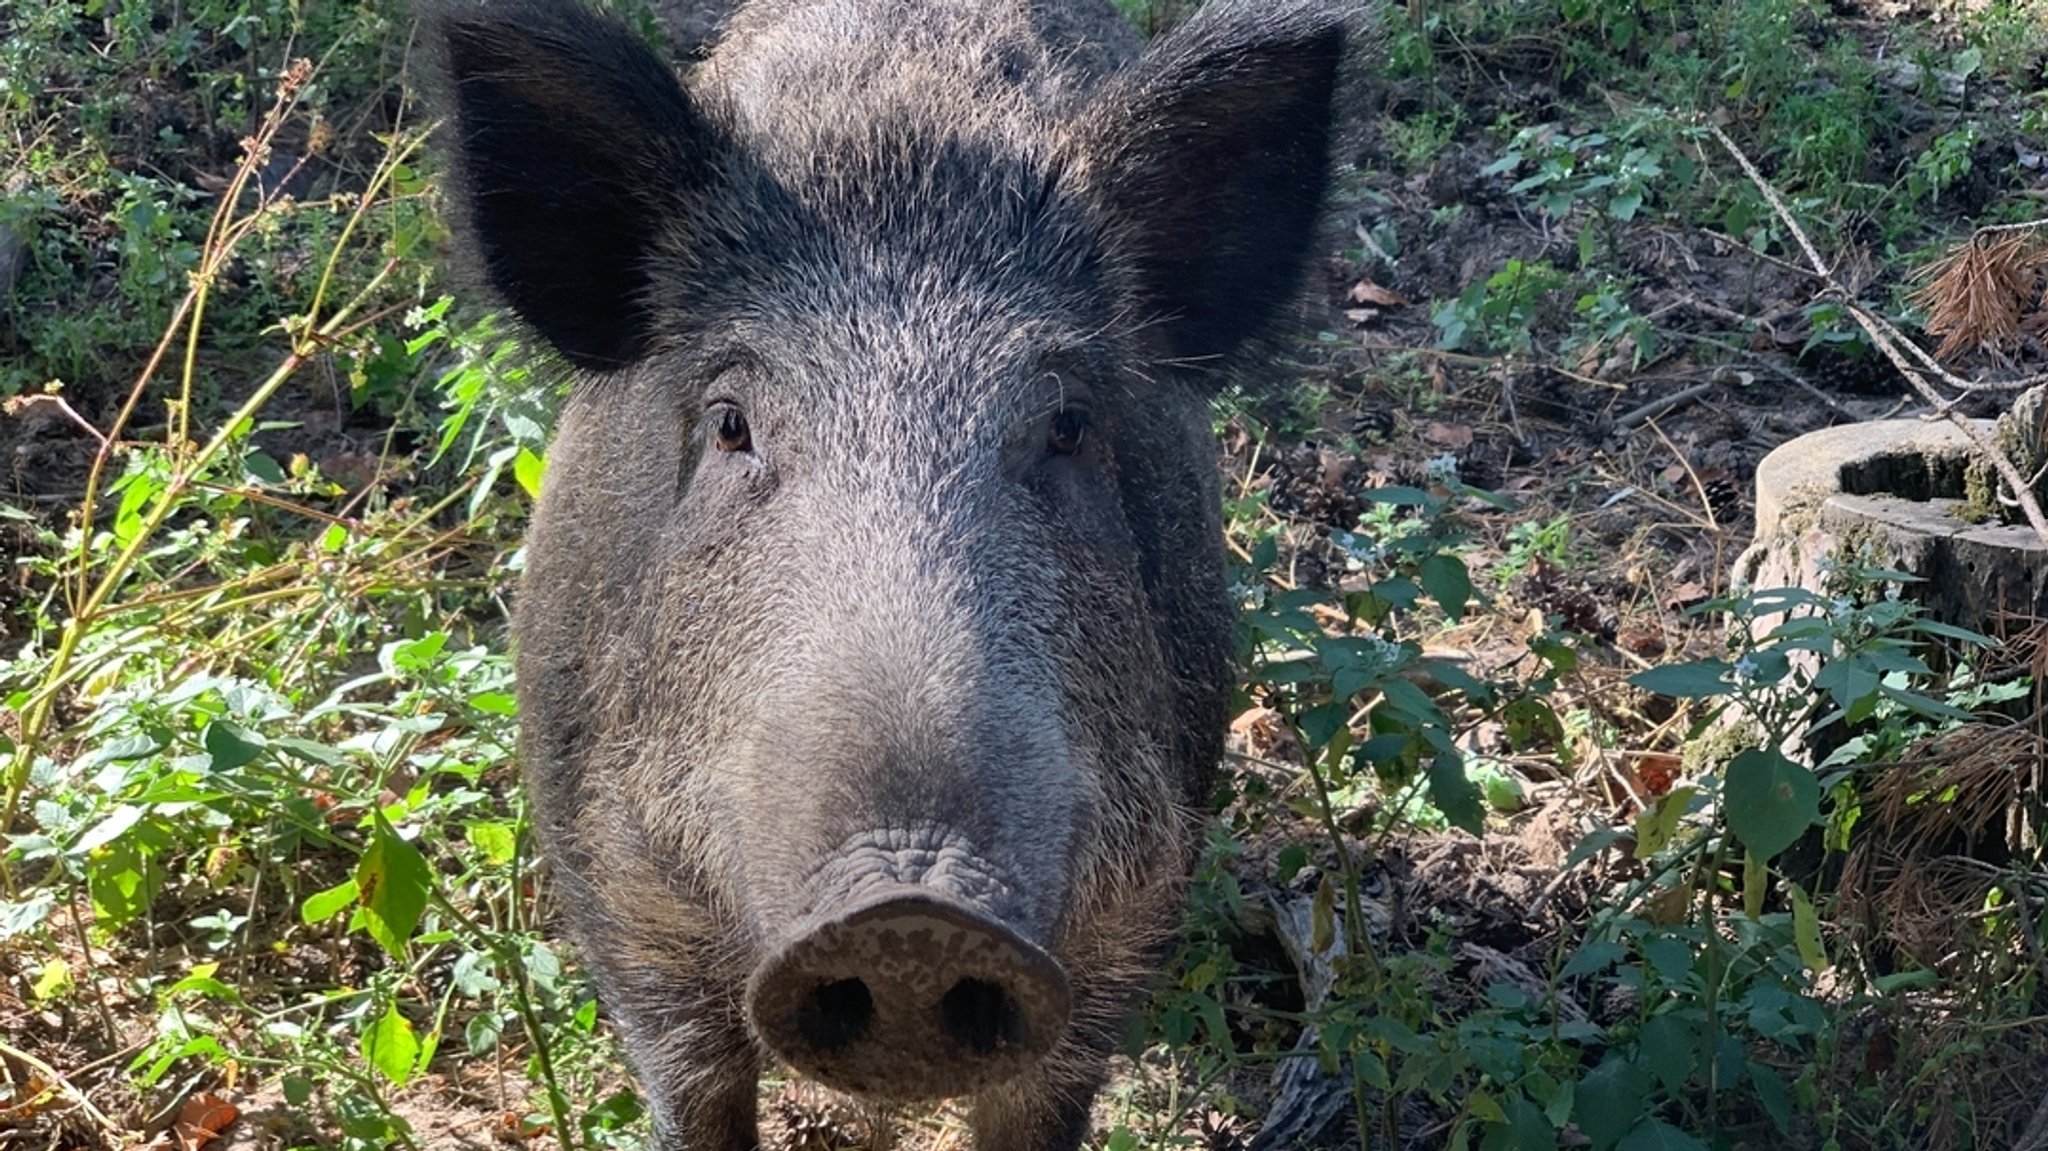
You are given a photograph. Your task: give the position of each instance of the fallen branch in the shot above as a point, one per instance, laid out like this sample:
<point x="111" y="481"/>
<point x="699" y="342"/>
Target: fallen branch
<point x="1662" y="404"/>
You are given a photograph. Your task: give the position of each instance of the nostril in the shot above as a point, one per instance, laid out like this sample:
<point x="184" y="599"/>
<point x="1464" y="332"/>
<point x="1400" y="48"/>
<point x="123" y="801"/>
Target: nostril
<point x="836" y="1014"/>
<point x="978" y="1016"/>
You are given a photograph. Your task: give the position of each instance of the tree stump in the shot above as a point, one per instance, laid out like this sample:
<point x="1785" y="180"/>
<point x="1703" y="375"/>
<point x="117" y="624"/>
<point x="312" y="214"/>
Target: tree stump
<point x="1894" y="494"/>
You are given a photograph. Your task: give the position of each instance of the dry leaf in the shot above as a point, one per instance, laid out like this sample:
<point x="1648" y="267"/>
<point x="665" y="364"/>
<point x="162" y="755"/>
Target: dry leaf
<point x="1655" y="772"/>
<point x="201" y="1120"/>
<point x="1453" y="436"/>
<point x="1367" y="292"/>
<point x="1670" y="906"/>
<point x="1685" y="595"/>
<point x="1643" y="642"/>
<point x="32" y="1096"/>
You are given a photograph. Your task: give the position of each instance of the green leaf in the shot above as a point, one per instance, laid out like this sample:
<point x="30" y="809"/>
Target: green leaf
<point x="263" y="469"/>
<point x="1669" y="1048"/>
<point x="229" y="746"/>
<point x="1484" y="1107"/>
<point x="205" y="986"/>
<point x="108" y="830"/>
<point x="1701" y="679"/>
<point x="495" y="840"/>
<point x="495" y="702"/>
<point x="1773" y="1094"/>
<point x="527" y="468"/>
<point x="52" y="980"/>
<point x="542" y="967"/>
<point x="309" y="751"/>
<point x="1593" y="843"/>
<point x="1848" y="682"/>
<point x="413" y="655"/>
<point x="1949" y="631"/>
<point x="1503" y="793"/>
<point x="1657" y="1135"/>
<point x="1286" y="865"/>
<point x="1932" y="708"/>
<point x="1806" y="932"/>
<point x="1594" y="955"/>
<point x="146" y="1077"/>
<point x="1454" y="794"/>
<point x="1656" y="827"/>
<point x="1610" y="1100"/>
<point x="1670" y="956"/>
<point x="1444" y="577"/>
<point x="123" y="877"/>
<point x="392" y="882"/>
<point x="1770" y="800"/>
<point x="1371" y="1070"/>
<point x="391" y="1047"/>
<point x="1531" y="723"/>
<point x="474" y="974"/>
<point x="1525" y="1130"/>
<point x="26" y="915"/>
<point x="1755" y="882"/>
<point x="481" y="1034"/>
<point x="322" y="906"/>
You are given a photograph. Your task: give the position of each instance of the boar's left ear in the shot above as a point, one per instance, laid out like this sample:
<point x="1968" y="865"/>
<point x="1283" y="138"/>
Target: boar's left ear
<point x="1211" y="157"/>
<point x="573" y="146"/>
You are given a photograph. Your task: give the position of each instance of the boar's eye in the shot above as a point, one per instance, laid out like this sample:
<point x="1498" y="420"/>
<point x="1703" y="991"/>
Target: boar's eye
<point x="1069" y="430"/>
<point x="733" y="433"/>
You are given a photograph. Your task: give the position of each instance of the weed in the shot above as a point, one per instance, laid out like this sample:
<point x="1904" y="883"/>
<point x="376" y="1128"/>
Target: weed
<point x="1420" y="140"/>
<point x="1495" y="314"/>
<point x="1528" y="543"/>
<point x="1945" y="161"/>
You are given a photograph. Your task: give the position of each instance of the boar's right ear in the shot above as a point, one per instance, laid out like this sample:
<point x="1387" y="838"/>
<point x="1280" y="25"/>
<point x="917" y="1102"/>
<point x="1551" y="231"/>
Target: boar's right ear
<point x="1212" y="156"/>
<point x="572" y="145"/>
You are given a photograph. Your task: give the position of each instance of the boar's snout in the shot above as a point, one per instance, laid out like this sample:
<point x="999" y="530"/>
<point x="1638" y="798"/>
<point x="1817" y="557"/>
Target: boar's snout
<point x="909" y="994"/>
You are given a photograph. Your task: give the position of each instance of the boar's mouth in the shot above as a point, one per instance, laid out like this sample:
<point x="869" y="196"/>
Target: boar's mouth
<point x="909" y="994"/>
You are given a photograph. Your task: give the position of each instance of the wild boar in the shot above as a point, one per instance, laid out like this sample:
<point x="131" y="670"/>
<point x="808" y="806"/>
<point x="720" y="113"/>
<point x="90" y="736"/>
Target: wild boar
<point x="874" y="640"/>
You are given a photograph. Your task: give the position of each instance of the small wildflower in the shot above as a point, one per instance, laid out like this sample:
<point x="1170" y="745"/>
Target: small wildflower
<point x="1443" y="469"/>
<point x="1359" y="551"/>
<point x="1745" y="669"/>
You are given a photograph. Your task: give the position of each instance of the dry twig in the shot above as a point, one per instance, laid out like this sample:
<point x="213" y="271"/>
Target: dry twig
<point x="54" y="1083"/>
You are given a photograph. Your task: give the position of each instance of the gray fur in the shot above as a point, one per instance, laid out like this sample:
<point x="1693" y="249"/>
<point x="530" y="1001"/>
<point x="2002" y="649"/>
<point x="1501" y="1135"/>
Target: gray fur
<point x="907" y="639"/>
